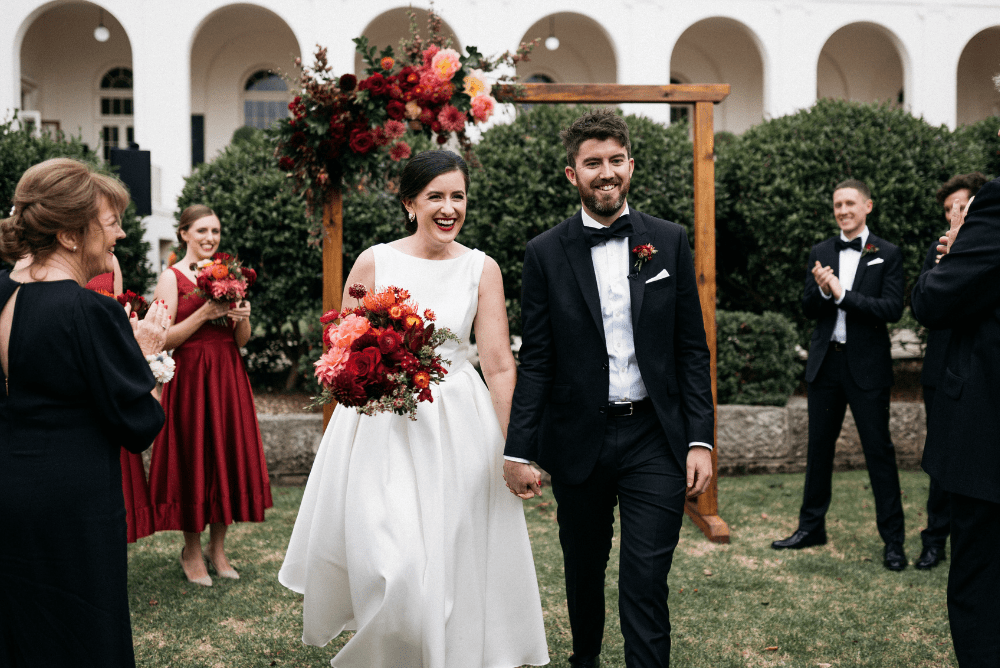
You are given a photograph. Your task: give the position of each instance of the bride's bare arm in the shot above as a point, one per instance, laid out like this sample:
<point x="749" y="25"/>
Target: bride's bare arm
<point x="362" y="272"/>
<point x="493" y="340"/>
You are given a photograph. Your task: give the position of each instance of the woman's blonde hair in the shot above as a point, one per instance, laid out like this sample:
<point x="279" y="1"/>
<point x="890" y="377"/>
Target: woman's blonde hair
<point x="188" y="217"/>
<point x="58" y="195"/>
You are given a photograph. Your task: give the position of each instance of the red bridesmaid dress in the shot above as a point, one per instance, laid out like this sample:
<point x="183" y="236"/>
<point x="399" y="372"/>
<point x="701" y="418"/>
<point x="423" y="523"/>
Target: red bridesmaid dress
<point x="138" y="509"/>
<point x="208" y="461"/>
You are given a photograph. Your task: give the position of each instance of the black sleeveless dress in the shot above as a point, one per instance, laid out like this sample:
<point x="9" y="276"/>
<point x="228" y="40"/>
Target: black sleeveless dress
<point x="77" y="392"/>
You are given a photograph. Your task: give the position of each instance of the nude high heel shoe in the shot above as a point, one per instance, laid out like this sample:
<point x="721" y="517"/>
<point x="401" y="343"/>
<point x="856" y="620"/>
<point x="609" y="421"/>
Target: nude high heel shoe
<point x="229" y="573"/>
<point x="204" y="580"/>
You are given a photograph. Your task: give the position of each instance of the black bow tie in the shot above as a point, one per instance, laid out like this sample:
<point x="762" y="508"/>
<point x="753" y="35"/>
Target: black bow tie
<point x="853" y="244"/>
<point x="621" y="228"/>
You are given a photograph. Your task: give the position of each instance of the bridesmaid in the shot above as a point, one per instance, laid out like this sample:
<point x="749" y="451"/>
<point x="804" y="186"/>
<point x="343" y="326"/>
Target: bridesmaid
<point x="208" y="462"/>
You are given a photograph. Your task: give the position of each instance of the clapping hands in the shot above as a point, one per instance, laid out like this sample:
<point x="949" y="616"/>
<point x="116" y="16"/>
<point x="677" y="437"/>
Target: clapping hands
<point x="827" y="280"/>
<point x="150" y="332"/>
<point x="957" y="220"/>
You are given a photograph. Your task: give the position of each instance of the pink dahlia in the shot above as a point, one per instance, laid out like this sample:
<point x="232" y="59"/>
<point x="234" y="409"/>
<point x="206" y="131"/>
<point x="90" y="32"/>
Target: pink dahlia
<point x="394" y="129"/>
<point x="399" y="151"/>
<point x="451" y="119"/>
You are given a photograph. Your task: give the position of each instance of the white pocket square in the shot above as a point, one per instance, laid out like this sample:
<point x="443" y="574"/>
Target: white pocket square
<point x="877" y="260"/>
<point x="663" y="274"/>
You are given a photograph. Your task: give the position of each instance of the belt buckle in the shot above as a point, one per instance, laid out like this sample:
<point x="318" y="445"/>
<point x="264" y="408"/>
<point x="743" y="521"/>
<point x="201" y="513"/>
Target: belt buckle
<point x="631" y="408"/>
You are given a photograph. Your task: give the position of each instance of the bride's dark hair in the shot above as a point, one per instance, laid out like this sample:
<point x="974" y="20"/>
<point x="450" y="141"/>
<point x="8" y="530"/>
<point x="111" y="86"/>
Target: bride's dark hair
<point x="421" y="170"/>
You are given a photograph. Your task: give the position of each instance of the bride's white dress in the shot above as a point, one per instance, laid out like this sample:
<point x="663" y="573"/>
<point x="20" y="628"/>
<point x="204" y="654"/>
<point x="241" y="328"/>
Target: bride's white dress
<point x="406" y="531"/>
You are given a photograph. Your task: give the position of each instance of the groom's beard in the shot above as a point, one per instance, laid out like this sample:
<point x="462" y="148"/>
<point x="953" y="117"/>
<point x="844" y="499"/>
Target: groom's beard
<point x="591" y="197"/>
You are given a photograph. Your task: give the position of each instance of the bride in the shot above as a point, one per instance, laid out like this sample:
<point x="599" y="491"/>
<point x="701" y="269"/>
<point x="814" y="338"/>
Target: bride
<point x="406" y="533"/>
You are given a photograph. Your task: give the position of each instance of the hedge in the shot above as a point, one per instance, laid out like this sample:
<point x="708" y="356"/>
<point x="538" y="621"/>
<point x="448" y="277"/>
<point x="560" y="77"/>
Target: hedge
<point x="756" y="361"/>
<point x="19" y="150"/>
<point x="775" y="187"/>
<point x="980" y="142"/>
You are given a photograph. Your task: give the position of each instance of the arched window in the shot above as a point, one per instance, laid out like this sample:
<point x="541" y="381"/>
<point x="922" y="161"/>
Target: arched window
<point x="679" y="113"/>
<point x="116" y="122"/>
<point x="265" y="99"/>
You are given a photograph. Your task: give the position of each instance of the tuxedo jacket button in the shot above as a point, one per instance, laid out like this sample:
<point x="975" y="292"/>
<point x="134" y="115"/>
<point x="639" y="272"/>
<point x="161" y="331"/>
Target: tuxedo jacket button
<point x="602" y="410"/>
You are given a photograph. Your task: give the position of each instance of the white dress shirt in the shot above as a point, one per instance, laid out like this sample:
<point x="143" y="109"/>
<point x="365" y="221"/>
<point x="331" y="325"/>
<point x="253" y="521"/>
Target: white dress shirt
<point x="612" y="262"/>
<point x="849" y="260"/>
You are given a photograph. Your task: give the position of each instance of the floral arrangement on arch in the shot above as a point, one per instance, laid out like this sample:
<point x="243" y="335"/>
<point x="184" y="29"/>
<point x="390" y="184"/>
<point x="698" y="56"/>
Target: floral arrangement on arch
<point x="340" y="127"/>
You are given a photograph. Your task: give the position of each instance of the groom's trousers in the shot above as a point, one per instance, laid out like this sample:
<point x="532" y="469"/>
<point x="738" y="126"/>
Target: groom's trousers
<point x="637" y="471"/>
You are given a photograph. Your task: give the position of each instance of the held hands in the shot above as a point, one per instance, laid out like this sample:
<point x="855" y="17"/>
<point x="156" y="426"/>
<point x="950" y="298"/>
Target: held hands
<point x="827" y="280"/>
<point x="699" y="470"/>
<point x="523" y="480"/>
<point x="239" y="312"/>
<point x="213" y="310"/>
<point x="150" y="332"/>
<point x="957" y="220"/>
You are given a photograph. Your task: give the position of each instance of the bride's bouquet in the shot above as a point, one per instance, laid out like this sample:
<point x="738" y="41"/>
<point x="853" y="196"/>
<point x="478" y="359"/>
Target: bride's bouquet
<point x="223" y="279"/>
<point x="382" y="357"/>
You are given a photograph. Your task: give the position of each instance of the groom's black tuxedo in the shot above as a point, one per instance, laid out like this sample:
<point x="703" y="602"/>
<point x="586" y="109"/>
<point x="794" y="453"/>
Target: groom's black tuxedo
<point x="859" y="374"/>
<point x="963" y="441"/>
<point x="559" y="406"/>
<point x="561" y="419"/>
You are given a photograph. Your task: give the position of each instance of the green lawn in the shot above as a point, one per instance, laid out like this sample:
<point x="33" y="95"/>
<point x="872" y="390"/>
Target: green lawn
<point x="734" y="605"/>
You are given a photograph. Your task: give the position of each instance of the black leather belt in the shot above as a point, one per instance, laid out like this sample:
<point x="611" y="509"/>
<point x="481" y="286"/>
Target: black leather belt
<point x="838" y="347"/>
<point x="626" y="408"/>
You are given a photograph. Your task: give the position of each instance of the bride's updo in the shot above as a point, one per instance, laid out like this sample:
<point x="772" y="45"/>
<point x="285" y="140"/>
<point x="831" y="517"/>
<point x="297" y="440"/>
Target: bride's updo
<point x="58" y="195"/>
<point x="421" y="170"/>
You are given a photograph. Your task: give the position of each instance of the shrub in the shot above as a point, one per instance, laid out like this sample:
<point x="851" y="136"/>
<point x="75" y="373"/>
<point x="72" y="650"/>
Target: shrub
<point x="19" y="150"/>
<point x="522" y="190"/>
<point x="756" y="360"/>
<point x="981" y="146"/>
<point x="775" y="187"/>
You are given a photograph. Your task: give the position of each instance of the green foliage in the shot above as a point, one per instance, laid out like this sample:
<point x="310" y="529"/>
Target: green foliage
<point x="980" y="142"/>
<point x="755" y="358"/>
<point x="522" y="189"/>
<point x="19" y="150"/>
<point x="775" y="188"/>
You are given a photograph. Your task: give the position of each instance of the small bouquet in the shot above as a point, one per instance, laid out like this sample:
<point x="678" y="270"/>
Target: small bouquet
<point x="162" y="365"/>
<point x="138" y="303"/>
<point x="223" y="279"/>
<point x="382" y="356"/>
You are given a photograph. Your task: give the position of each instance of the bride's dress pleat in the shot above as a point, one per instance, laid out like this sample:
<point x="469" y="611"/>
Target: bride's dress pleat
<point x="406" y="532"/>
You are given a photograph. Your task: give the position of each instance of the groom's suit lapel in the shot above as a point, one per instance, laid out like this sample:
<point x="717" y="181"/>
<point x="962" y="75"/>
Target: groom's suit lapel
<point x="581" y="262"/>
<point x="636" y="277"/>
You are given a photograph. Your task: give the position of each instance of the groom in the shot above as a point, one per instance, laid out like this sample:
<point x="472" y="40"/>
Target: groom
<point x="614" y="394"/>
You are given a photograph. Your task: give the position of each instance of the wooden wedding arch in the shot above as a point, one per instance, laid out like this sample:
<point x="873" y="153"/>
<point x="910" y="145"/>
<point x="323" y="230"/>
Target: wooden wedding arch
<point x="705" y="510"/>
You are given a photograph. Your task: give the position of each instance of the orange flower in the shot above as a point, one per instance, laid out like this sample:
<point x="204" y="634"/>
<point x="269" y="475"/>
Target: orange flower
<point x="104" y="292"/>
<point x="422" y="379"/>
<point x="429" y="315"/>
<point x="396" y="312"/>
<point x="413" y="320"/>
<point x="379" y="301"/>
<point x="220" y="271"/>
<point x="387" y="63"/>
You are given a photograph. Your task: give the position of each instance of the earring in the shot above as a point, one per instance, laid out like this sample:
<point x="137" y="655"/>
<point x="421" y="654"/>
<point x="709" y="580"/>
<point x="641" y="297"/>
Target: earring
<point x="74" y="249"/>
<point x="412" y="217"/>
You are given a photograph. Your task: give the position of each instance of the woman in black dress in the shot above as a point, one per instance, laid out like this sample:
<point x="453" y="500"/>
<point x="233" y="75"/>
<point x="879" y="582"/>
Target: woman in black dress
<point x="77" y="388"/>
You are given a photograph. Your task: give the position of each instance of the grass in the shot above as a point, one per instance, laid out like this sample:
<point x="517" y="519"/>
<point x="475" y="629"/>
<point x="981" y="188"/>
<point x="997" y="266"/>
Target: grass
<point x="736" y="605"/>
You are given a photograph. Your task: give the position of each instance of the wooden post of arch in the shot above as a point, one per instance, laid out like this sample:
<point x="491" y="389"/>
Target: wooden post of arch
<point x="704" y="511"/>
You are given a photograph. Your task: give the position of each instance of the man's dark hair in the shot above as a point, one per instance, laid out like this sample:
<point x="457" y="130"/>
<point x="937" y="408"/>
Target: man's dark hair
<point x="857" y="185"/>
<point x="971" y="182"/>
<point x="599" y="124"/>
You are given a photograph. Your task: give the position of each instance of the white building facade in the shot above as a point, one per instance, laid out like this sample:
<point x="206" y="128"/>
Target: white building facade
<point x="180" y="77"/>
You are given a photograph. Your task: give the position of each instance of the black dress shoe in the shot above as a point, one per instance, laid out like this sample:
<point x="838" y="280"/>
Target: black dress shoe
<point x="585" y="661"/>
<point x="930" y="557"/>
<point x="801" y="539"/>
<point x="894" y="559"/>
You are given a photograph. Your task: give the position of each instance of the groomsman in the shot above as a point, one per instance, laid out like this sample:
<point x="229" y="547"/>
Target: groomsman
<point x="853" y="287"/>
<point x="956" y="191"/>
<point x="963" y="442"/>
<point x="614" y="393"/>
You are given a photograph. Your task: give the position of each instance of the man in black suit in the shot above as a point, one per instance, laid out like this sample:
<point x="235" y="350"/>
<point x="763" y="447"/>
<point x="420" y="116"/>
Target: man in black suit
<point x="854" y="286"/>
<point x="955" y="193"/>
<point x="963" y="443"/>
<point x="614" y="394"/>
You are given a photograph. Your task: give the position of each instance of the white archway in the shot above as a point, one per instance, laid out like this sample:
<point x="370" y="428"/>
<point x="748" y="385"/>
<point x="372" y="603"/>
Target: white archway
<point x="723" y="50"/>
<point x="585" y="52"/>
<point x="979" y="62"/>
<point x="231" y="46"/>
<point x="862" y="62"/>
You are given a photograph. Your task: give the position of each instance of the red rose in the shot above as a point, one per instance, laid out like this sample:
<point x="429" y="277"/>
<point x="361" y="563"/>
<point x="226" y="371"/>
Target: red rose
<point x="364" y="365"/>
<point x="396" y="110"/>
<point x="286" y="163"/>
<point x="375" y="83"/>
<point x="329" y="317"/>
<point x="225" y="257"/>
<point x="362" y="141"/>
<point x="442" y="138"/>
<point x="348" y="82"/>
<point x="249" y="275"/>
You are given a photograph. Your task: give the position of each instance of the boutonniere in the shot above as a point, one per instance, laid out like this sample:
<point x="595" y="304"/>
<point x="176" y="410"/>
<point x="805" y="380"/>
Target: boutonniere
<point x="869" y="249"/>
<point x="643" y="254"/>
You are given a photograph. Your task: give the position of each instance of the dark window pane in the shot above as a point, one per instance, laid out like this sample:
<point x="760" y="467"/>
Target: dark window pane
<point x="119" y="77"/>
<point x="105" y="106"/>
<point x="116" y="107"/>
<point x="127" y="106"/>
<point x="129" y="134"/>
<point x="266" y="81"/>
